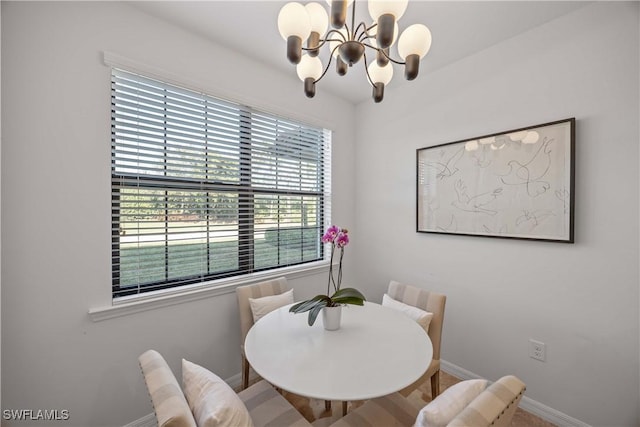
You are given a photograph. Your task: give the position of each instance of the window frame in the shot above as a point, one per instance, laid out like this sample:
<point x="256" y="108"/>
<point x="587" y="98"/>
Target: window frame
<point x="246" y="216"/>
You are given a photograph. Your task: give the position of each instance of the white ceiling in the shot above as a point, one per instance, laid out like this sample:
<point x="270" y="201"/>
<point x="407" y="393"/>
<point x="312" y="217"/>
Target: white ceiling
<point x="459" y="29"/>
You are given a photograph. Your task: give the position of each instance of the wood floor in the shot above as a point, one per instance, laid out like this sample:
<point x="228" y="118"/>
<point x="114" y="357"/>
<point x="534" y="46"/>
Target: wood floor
<point x="314" y="410"/>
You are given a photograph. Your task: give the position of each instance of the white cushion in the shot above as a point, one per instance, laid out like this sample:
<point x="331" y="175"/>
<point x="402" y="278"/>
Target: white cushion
<point x="212" y="401"/>
<point x="264" y="305"/>
<point x="422" y="317"/>
<point x="444" y="408"/>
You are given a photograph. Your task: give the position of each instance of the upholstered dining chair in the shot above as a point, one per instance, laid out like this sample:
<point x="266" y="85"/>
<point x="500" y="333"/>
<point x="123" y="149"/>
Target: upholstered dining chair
<point x="205" y="399"/>
<point x="431" y="302"/>
<point x="244" y="294"/>
<point x="469" y="403"/>
<point x="169" y="403"/>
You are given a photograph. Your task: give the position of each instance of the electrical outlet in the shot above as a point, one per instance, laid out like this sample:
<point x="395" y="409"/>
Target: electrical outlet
<point x="537" y="350"/>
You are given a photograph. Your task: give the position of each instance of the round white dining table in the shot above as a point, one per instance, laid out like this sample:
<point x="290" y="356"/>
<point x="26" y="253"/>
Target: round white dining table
<point x="376" y="351"/>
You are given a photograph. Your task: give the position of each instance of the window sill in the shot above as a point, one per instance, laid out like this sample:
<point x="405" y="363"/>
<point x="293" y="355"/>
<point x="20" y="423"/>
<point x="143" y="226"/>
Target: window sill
<point x="129" y="305"/>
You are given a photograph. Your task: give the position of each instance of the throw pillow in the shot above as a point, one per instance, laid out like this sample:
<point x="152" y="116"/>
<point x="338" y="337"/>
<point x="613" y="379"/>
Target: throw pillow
<point x="444" y="408"/>
<point x="422" y="317"/>
<point x="262" y="306"/>
<point x="212" y="401"/>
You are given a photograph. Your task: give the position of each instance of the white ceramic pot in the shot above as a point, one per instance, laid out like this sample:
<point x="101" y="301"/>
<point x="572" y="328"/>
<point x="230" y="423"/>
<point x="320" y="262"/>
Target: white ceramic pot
<point x="331" y="317"/>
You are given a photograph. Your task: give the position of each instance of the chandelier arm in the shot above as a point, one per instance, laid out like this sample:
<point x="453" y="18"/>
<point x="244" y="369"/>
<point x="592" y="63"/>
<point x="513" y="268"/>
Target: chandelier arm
<point x="322" y="43"/>
<point x="328" y="65"/>
<point x="366" y="69"/>
<point x="346" y="27"/>
<point x="337" y="32"/>
<point x="384" y="53"/>
<point x="358" y="28"/>
<point x="366" y="31"/>
<point x="324" y="40"/>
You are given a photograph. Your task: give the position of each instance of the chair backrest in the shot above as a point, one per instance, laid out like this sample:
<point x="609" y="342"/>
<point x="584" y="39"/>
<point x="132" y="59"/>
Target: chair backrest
<point x="494" y="407"/>
<point x="425" y="300"/>
<point x="259" y="290"/>
<point x="169" y="403"/>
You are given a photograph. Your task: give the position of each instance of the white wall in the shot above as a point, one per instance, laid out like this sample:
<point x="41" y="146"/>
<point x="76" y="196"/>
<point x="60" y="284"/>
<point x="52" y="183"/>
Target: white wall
<point x="580" y="299"/>
<point x="56" y="206"/>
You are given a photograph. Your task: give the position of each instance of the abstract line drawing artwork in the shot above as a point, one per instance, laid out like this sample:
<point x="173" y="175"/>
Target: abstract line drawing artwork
<point x="513" y="184"/>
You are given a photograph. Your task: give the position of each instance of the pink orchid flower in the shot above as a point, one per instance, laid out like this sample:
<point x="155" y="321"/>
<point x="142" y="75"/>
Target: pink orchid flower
<point x="343" y="239"/>
<point x="330" y="234"/>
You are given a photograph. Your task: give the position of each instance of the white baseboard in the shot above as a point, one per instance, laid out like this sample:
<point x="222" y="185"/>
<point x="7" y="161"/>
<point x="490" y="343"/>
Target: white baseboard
<point x="457" y="371"/>
<point x="532" y="406"/>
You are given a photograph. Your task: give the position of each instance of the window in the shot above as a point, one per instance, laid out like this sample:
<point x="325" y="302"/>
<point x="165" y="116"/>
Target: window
<point x="204" y="189"/>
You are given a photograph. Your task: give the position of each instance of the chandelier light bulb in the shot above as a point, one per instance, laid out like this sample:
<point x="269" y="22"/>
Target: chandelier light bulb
<point x="318" y="17"/>
<point x="384" y="7"/>
<point x="309" y="67"/>
<point x="386" y="14"/>
<point x="293" y="20"/>
<point x="413" y="45"/>
<point x="295" y="27"/>
<point x="309" y="70"/>
<point x="415" y="40"/>
<point x="319" y="21"/>
<point x="380" y="74"/>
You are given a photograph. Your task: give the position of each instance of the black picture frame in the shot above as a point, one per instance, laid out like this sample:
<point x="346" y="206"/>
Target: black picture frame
<point x="517" y="184"/>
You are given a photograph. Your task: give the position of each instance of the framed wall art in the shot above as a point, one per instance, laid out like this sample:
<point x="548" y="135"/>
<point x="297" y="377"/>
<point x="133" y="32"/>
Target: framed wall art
<point x="514" y="184"/>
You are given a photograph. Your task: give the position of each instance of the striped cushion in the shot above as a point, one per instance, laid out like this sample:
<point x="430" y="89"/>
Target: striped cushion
<point x="388" y="411"/>
<point x="444" y="408"/>
<point x="259" y="290"/>
<point x="493" y="407"/>
<point x="423" y="318"/>
<point x="170" y="405"/>
<point x="427" y="301"/>
<point x="433" y="303"/>
<point x="212" y="402"/>
<point x="262" y="306"/>
<point x="268" y="408"/>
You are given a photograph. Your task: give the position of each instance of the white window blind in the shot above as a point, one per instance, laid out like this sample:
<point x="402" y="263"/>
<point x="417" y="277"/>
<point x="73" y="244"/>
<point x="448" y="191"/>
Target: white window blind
<point x="204" y="188"/>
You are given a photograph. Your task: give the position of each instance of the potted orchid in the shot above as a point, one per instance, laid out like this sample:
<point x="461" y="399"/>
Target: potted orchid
<point x="338" y="238"/>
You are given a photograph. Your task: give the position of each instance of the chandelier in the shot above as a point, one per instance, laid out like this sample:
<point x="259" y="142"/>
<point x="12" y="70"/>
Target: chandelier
<point x="348" y="44"/>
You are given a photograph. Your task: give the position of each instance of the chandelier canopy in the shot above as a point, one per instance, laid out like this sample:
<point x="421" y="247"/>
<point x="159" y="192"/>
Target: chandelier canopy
<point x="309" y="24"/>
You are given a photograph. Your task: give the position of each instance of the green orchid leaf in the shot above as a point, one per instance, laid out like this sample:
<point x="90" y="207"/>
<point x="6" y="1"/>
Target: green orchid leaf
<point x="315" y="305"/>
<point x="313" y="313"/>
<point x="295" y="307"/>
<point x="349" y="300"/>
<point x="349" y="293"/>
<point x="301" y="307"/>
<point x="304" y="306"/>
